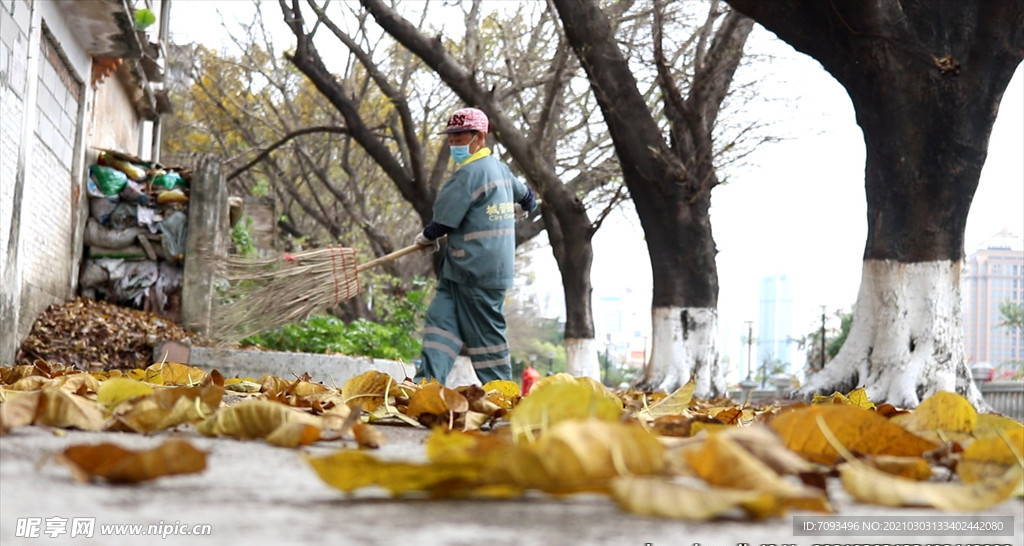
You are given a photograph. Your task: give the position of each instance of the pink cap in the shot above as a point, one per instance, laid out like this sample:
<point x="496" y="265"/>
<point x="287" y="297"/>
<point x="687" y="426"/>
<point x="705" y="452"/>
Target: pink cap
<point x="467" y="119"/>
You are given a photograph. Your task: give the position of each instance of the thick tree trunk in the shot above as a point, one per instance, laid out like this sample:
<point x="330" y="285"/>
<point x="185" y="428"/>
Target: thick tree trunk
<point x="670" y="185"/>
<point x="683" y="346"/>
<point x="926" y="80"/>
<point x="905" y="342"/>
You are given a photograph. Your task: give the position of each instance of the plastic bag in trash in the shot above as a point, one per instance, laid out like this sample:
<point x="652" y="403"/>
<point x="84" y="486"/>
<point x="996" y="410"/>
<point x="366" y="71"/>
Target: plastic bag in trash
<point x="171" y="196"/>
<point x="124" y="216"/>
<point x="101" y="208"/>
<point x="131" y="170"/>
<point x="174" y="229"/>
<point x="133" y="192"/>
<point x="109" y="180"/>
<point x="168" y="180"/>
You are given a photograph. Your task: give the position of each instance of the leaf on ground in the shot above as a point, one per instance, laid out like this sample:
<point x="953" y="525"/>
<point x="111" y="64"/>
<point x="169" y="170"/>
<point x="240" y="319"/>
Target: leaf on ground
<point x="168" y="407"/>
<point x="991" y="456"/>
<point x="911" y="468"/>
<point x="584" y="454"/>
<point x="173" y="373"/>
<point x="859" y="430"/>
<point x="30" y="383"/>
<point x="349" y="470"/>
<point x="763" y="443"/>
<point x="367" y="436"/>
<point x="434" y="403"/>
<point x="504" y="394"/>
<point x="649" y="496"/>
<point x="60" y="408"/>
<point x="369" y="389"/>
<point x="453" y="446"/>
<point x="991" y="424"/>
<point x="19" y="411"/>
<point x="118" y="465"/>
<point x="11" y="374"/>
<point x="560" y="400"/>
<point x="115" y="390"/>
<point x="857" y="397"/>
<point x="673" y="404"/>
<point x="940" y="417"/>
<point x="866" y="484"/>
<point x="252" y="419"/>
<point x="725" y="463"/>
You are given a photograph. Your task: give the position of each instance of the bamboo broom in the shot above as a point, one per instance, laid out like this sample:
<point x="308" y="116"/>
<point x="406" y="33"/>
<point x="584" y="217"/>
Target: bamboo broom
<point x="256" y="295"/>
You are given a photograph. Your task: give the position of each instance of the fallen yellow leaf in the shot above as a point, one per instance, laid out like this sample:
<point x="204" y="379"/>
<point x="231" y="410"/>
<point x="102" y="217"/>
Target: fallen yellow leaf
<point x="118" y="465"/>
<point x="584" y="454"/>
<point x="941" y="417"/>
<point x="435" y="403"/>
<point x="369" y="389"/>
<point x="649" y="496"/>
<point x="560" y="400"/>
<point x="723" y="462"/>
<point x="991" y="456"/>
<point x="60" y="408"/>
<point x="169" y="407"/>
<point x="115" y="390"/>
<point x="673" y="404"/>
<point x="349" y="470"/>
<point x="861" y="431"/>
<point x="173" y="373"/>
<point x="367" y="436"/>
<point x="869" y="485"/>
<point x="254" y="419"/>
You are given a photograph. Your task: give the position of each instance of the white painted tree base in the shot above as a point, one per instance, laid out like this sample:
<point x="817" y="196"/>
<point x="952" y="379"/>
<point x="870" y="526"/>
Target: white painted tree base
<point x="906" y="339"/>
<point x="683" y="345"/>
<point x="581" y="358"/>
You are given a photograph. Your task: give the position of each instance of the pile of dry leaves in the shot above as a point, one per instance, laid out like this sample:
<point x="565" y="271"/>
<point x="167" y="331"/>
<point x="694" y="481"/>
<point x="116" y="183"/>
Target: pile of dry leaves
<point x="90" y="334"/>
<point x="654" y="454"/>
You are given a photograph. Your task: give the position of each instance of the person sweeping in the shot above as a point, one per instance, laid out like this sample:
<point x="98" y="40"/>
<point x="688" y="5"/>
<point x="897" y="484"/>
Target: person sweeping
<point x="477" y="209"/>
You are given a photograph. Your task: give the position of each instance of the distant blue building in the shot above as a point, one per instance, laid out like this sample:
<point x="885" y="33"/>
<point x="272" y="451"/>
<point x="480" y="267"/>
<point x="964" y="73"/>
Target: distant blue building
<point x="775" y="328"/>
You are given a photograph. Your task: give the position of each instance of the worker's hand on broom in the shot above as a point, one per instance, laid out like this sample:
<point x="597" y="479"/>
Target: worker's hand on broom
<point x="424" y="242"/>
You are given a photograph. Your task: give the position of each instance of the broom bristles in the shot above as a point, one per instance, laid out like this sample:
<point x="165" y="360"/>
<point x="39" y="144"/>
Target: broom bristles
<point x="266" y="293"/>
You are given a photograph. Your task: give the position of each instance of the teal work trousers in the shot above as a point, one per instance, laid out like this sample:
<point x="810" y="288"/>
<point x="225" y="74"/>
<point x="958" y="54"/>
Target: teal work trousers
<point x="460" y="317"/>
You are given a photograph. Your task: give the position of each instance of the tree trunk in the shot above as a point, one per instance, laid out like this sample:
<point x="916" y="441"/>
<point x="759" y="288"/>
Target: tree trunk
<point x="926" y="80"/>
<point x="569" y="228"/>
<point x="904" y="344"/>
<point x="670" y="186"/>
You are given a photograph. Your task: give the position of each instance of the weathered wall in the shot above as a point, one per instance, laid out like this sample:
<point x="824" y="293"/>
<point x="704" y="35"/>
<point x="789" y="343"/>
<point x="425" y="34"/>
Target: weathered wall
<point x="46" y="129"/>
<point x="44" y="96"/>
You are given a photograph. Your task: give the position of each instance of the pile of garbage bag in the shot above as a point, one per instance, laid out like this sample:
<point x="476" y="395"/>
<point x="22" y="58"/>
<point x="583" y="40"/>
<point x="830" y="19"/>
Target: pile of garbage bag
<point x="135" y="234"/>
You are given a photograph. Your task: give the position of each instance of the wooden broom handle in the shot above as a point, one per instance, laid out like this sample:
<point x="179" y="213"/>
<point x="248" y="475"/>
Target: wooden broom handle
<point x="389" y="257"/>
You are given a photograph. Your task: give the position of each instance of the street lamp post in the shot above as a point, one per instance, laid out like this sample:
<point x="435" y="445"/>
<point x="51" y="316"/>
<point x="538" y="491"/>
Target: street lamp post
<point x="823" y="336"/>
<point x="748" y="384"/>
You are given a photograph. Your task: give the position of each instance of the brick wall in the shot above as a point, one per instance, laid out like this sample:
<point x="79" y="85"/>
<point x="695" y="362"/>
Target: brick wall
<point x="42" y="102"/>
<point x="14" y="22"/>
<point x="51" y="191"/>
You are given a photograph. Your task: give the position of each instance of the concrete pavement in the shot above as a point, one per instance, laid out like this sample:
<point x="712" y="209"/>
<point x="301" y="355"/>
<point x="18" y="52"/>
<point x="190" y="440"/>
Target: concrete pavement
<point x="254" y="493"/>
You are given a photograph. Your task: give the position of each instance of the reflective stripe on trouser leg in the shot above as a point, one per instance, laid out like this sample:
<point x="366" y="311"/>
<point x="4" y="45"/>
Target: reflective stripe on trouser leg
<point x="481" y="318"/>
<point x="441" y="342"/>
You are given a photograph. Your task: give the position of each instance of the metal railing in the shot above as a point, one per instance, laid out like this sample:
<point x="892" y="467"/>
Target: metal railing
<point x="1005" y="397"/>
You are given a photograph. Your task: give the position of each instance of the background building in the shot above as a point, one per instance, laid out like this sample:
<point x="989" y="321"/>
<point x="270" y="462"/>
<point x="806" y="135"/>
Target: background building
<point x="775" y="343"/>
<point x="994" y="275"/>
